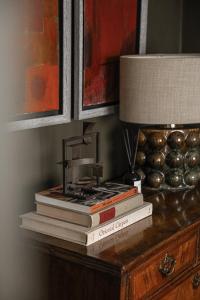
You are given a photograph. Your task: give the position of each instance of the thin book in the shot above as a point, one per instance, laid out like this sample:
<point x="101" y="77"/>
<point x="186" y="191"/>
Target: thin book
<point x="93" y="199"/>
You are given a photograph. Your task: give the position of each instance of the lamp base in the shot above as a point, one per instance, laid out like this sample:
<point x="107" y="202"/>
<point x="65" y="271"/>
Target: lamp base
<point x="169" y="159"/>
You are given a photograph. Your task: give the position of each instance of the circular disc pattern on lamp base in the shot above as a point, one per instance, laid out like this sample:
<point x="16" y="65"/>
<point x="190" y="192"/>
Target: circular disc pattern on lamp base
<point x="169" y="158"/>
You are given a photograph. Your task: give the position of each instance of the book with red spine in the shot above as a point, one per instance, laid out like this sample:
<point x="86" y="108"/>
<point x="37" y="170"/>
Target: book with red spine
<point x="90" y="220"/>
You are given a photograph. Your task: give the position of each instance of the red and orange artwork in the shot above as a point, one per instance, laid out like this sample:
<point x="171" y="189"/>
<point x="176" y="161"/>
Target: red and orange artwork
<point x="41" y="46"/>
<point x="109" y="31"/>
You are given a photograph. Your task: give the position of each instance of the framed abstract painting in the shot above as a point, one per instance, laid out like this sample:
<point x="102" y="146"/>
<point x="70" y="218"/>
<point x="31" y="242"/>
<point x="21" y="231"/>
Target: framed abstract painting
<point x="46" y="75"/>
<point x="104" y="30"/>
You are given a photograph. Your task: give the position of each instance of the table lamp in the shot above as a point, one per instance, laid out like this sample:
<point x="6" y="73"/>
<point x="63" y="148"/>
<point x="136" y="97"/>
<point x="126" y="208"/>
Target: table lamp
<point x="160" y="95"/>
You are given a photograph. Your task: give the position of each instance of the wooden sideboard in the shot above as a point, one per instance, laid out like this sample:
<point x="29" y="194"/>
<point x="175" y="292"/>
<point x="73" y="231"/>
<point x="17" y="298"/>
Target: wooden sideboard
<point x="156" y="258"/>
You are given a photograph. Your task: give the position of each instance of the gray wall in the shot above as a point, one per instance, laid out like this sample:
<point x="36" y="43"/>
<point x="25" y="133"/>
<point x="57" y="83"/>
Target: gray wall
<point x="164" y="26"/>
<point x="191" y="26"/>
<point x="173" y="26"/>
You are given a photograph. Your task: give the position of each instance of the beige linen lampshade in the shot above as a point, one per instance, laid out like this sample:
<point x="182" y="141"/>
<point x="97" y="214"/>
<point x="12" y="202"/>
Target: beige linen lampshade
<point x="160" y="89"/>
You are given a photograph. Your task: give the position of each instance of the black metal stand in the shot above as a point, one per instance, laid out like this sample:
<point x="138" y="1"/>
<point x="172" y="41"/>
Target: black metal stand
<point x="76" y="143"/>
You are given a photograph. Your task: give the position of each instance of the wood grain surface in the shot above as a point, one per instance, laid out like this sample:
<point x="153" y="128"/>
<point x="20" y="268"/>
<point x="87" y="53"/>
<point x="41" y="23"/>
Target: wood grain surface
<point x="126" y="264"/>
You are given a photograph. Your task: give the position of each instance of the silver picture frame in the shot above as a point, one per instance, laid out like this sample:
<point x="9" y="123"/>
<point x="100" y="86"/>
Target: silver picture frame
<point x="65" y="115"/>
<point x="79" y="112"/>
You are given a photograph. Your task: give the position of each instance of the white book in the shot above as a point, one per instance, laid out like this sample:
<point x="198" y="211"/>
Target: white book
<point x="118" y="239"/>
<point x="80" y="234"/>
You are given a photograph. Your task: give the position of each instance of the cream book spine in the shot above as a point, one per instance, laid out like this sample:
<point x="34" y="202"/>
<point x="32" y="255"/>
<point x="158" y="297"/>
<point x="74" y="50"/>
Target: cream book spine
<point x="91" y="220"/>
<point x="122" y="222"/>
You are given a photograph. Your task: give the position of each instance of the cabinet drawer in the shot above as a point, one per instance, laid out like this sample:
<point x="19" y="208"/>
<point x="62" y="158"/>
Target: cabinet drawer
<point x="189" y="289"/>
<point x="172" y="259"/>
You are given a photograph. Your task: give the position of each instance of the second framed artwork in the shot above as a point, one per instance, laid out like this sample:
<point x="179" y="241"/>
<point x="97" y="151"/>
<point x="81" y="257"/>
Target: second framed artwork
<point x="104" y="30"/>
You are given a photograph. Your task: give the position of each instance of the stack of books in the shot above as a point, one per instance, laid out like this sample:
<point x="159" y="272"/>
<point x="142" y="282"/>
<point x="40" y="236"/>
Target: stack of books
<point x="91" y="216"/>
